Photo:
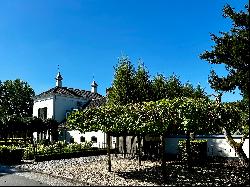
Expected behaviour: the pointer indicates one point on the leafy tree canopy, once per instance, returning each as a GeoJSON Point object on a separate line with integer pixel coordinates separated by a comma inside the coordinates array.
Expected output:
{"type": "Point", "coordinates": [16, 98]}
{"type": "Point", "coordinates": [133, 86]}
{"type": "Point", "coordinates": [231, 49]}
{"type": "Point", "coordinates": [122, 89]}
{"type": "Point", "coordinates": [201, 116]}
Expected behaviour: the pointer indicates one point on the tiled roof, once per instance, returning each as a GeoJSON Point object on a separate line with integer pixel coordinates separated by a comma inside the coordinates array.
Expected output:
{"type": "Point", "coordinates": [70, 92]}
{"type": "Point", "coordinates": [96, 103]}
{"type": "Point", "coordinates": [86, 94]}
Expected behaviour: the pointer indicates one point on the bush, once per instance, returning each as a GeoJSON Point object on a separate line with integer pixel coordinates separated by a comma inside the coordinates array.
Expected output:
{"type": "Point", "coordinates": [67, 155]}
{"type": "Point", "coordinates": [11, 154]}
{"type": "Point", "coordinates": [59, 147]}
{"type": "Point", "coordinates": [28, 152]}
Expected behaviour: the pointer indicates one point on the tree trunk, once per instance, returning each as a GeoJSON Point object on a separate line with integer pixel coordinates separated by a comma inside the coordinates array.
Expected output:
{"type": "Point", "coordinates": [117, 144]}
{"type": "Point", "coordinates": [37, 136]}
{"type": "Point", "coordinates": [237, 146]}
{"type": "Point", "coordinates": [188, 149]}
{"type": "Point", "coordinates": [139, 149]}
{"type": "Point", "coordinates": [163, 156]}
{"type": "Point", "coordinates": [108, 152]}
{"type": "Point", "coordinates": [124, 145]}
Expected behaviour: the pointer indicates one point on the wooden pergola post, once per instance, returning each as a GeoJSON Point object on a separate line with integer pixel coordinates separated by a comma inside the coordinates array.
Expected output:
{"type": "Point", "coordinates": [108, 152]}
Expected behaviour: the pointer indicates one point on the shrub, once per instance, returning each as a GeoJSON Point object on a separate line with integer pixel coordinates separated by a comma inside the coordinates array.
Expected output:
{"type": "Point", "coordinates": [11, 154]}
{"type": "Point", "coordinates": [28, 152]}
{"type": "Point", "coordinates": [59, 147]}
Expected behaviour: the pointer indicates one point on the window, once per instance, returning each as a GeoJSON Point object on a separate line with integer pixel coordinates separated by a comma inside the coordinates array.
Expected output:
{"type": "Point", "coordinates": [94, 139]}
{"type": "Point", "coordinates": [42, 113]}
{"type": "Point", "coordinates": [82, 139]}
{"type": "Point", "coordinates": [72, 140]}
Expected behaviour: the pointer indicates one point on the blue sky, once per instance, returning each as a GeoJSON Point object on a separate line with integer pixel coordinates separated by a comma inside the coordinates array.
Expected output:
{"type": "Point", "coordinates": [86, 37]}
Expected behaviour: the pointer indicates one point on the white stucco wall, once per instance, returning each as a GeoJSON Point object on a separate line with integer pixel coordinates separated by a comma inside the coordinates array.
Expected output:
{"type": "Point", "coordinates": [101, 138]}
{"type": "Point", "coordinates": [41, 103]}
{"type": "Point", "coordinates": [57, 105]}
{"type": "Point", "coordinates": [216, 145]}
{"type": "Point", "coordinates": [64, 103]}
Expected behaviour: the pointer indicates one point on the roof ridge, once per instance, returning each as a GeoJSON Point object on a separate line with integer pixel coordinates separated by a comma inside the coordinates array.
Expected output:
{"type": "Point", "coordinates": [71, 92]}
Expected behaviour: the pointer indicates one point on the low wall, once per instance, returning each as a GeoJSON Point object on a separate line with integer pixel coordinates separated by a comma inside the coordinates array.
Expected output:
{"type": "Point", "coordinates": [216, 146]}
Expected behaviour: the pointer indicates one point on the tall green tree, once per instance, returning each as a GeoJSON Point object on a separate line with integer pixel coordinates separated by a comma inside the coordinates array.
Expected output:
{"type": "Point", "coordinates": [231, 49]}
{"type": "Point", "coordinates": [171, 87]}
{"type": "Point", "coordinates": [143, 89]}
{"type": "Point", "coordinates": [199, 92]}
{"type": "Point", "coordinates": [122, 89]}
{"type": "Point", "coordinates": [16, 98]}
{"type": "Point", "coordinates": [159, 87]}
{"type": "Point", "coordinates": [174, 87]}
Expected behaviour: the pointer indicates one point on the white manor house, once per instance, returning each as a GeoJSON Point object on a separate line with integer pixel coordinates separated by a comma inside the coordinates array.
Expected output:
{"type": "Point", "coordinates": [57, 102]}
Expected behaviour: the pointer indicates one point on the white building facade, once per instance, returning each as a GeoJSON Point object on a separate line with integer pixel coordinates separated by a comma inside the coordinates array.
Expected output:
{"type": "Point", "coordinates": [58, 102]}
{"type": "Point", "coordinates": [217, 145]}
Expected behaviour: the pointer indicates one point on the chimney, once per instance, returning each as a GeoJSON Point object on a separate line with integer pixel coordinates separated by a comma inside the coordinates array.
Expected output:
{"type": "Point", "coordinates": [108, 90]}
{"type": "Point", "coordinates": [59, 80]}
{"type": "Point", "coordinates": [94, 87]}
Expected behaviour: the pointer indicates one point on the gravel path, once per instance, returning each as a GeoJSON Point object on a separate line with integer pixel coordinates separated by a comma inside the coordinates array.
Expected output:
{"type": "Point", "coordinates": [92, 171]}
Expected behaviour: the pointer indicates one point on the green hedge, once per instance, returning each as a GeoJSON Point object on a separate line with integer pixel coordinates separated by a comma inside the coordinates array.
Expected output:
{"type": "Point", "coordinates": [198, 148]}
{"type": "Point", "coordinates": [11, 155]}
{"type": "Point", "coordinates": [59, 147]}
{"type": "Point", "coordinates": [57, 156]}
{"type": "Point", "coordinates": [40, 152]}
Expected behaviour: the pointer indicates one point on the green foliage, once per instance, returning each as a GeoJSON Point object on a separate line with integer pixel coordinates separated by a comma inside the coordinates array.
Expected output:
{"type": "Point", "coordinates": [159, 87]}
{"type": "Point", "coordinates": [28, 152]}
{"type": "Point", "coordinates": [16, 125]}
{"type": "Point", "coordinates": [201, 116]}
{"type": "Point", "coordinates": [143, 88]}
{"type": "Point", "coordinates": [171, 87]}
{"type": "Point", "coordinates": [11, 154]}
{"type": "Point", "coordinates": [130, 86]}
{"type": "Point", "coordinates": [8, 147]}
{"type": "Point", "coordinates": [122, 90]}
{"type": "Point", "coordinates": [232, 50]}
{"type": "Point", "coordinates": [55, 148]}
{"type": "Point", "coordinates": [16, 98]}
{"type": "Point", "coordinates": [16, 104]}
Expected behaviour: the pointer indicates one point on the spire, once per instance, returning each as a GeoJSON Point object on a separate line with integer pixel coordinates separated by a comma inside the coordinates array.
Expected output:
{"type": "Point", "coordinates": [94, 86]}
{"type": "Point", "coordinates": [58, 78]}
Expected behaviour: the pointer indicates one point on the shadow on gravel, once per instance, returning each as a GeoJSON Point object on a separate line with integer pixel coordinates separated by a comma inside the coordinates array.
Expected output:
{"type": "Point", "coordinates": [227, 173]}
